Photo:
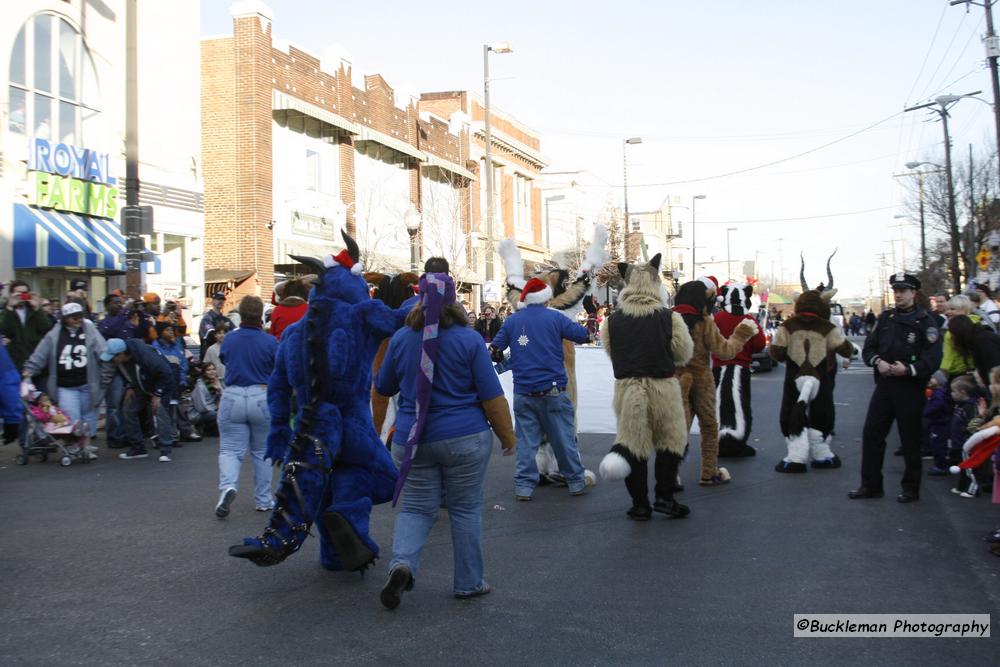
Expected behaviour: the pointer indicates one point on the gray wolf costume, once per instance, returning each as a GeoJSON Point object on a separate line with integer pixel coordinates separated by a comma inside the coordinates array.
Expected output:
{"type": "Point", "coordinates": [647, 342]}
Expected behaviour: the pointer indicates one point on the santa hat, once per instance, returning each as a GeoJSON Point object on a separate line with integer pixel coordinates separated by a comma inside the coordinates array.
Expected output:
{"type": "Point", "coordinates": [711, 286]}
{"type": "Point", "coordinates": [535, 291]}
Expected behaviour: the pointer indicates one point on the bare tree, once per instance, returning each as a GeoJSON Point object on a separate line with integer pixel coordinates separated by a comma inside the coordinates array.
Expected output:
{"type": "Point", "coordinates": [447, 231]}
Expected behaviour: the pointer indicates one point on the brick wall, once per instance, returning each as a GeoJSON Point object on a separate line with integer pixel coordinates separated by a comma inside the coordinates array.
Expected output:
{"type": "Point", "coordinates": [218, 119]}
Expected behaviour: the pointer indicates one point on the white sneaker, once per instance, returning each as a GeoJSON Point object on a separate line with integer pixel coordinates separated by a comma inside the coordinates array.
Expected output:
{"type": "Point", "coordinates": [164, 458]}
{"type": "Point", "coordinates": [225, 500]}
{"type": "Point", "coordinates": [91, 448]}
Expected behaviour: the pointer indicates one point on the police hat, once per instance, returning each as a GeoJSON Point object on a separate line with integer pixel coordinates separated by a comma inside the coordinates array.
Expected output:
{"type": "Point", "coordinates": [904, 281]}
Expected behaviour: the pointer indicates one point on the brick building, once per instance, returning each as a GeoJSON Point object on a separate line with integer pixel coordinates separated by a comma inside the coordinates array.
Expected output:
{"type": "Point", "coordinates": [296, 149]}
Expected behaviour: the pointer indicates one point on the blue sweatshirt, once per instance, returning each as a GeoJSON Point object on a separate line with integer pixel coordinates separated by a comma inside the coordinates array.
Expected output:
{"type": "Point", "coordinates": [248, 354]}
{"type": "Point", "coordinates": [117, 326]}
{"type": "Point", "coordinates": [175, 355]}
{"type": "Point", "coordinates": [535, 335]}
{"type": "Point", "coordinates": [463, 379]}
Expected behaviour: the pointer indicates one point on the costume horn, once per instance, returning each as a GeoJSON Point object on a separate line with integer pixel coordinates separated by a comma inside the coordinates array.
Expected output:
{"type": "Point", "coordinates": [802, 274]}
{"type": "Point", "coordinates": [315, 264]}
{"type": "Point", "coordinates": [829, 274]}
{"type": "Point", "coordinates": [352, 246]}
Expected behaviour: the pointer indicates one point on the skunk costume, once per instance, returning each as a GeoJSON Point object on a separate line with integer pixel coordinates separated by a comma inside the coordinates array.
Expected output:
{"type": "Point", "coordinates": [334, 465]}
{"type": "Point", "coordinates": [732, 376]}
{"type": "Point", "coordinates": [646, 342]}
{"type": "Point", "coordinates": [805, 342]}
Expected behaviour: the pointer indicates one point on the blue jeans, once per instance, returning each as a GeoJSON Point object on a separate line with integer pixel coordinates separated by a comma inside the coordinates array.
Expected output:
{"type": "Point", "coordinates": [115, 427]}
{"type": "Point", "coordinates": [75, 401]}
{"type": "Point", "coordinates": [459, 466]}
{"type": "Point", "coordinates": [244, 422]}
{"type": "Point", "coordinates": [552, 416]}
{"type": "Point", "coordinates": [132, 411]}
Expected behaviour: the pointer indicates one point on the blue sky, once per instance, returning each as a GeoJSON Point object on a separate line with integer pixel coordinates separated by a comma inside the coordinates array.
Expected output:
{"type": "Point", "coordinates": [712, 87]}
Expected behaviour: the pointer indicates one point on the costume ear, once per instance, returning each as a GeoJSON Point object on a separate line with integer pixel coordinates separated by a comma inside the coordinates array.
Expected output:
{"type": "Point", "coordinates": [827, 295]}
{"type": "Point", "coordinates": [724, 292]}
{"type": "Point", "coordinates": [622, 269]}
{"type": "Point", "coordinates": [655, 262]}
{"type": "Point", "coordinates": [748, 291]}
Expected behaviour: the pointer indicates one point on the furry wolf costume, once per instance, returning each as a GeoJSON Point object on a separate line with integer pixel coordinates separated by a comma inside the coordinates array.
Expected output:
{"type": "Point", "coordinates": [334, 465]}
{"type": "Point", "coordinates": [805, 342]}
{"type": "Point", "coordinates": [694, 302]}
{"type": "Point", "coordinates": [646, 342]}
{"type": "Point", "coordinates": [732, 376]}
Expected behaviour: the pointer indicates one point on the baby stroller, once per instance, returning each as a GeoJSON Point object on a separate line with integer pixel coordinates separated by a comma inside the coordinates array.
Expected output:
{"type": "Point", "coordinates": [66, 442]}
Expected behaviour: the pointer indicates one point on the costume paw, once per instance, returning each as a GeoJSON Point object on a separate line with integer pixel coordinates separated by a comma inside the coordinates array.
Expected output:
{"type": "Point", "coordinates": [353, 552]}
{"type": "Point", "coordinates": [827, 463]}
{"type": "Point", "coordinates": [788, 466]}
{"type": "Point", "coordinates": [257, 552]}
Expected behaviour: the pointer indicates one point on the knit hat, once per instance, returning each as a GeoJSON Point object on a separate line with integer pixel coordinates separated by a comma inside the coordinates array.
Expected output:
{"type": "Point", "coordinates": [535, 291]}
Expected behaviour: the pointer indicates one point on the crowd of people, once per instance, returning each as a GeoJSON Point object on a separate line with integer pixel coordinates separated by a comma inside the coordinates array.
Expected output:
{"type": "Point", "coordinates": [937, 364]}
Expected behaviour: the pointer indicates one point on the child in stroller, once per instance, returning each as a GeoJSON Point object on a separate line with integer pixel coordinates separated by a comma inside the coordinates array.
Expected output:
{"type": "Point", "coordinates": [50, 429]}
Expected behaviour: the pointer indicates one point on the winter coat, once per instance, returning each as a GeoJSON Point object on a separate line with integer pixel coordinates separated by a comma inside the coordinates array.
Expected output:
{"type": "Point", "coordinates": [204, 400]}
{"type": "Point", "coordinates": [963, 413]}
{"type": "Point", "coordinates": [10, 397]}
{"type": "Point", "coordinates": [938, 411]}
{"type": "Point", "coordinates": [46, 358]}
{"type": "Point", "coordinates": [492, 326]}
{"type": "Point", "coordinates": [23, 337]}
{"type": "Point", "coordinates": [175, 355]}
{"type": "Point", "coordinates": [985, 352]}
{"type": "Point", "coordinates": [147, 372]}
{"type": "Point", "coordinates": [288, 311]}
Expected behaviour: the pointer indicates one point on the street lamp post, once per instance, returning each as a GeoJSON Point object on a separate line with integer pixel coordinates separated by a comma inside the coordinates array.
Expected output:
{"type": "Point", "coordinates": [502, 47]}
{"type": "Point", "coordinates": [633, 140]}
{"type": "Point", "coordinates": [940, 106]}
{"type": "Point", "coordinates": [412, 221]}
{"type": "Point", "coordinates": [729, 269]}
{"type": "Point", "coordinates": [694, 200]}
{"type": "Point", "coordinates": [920, 188]}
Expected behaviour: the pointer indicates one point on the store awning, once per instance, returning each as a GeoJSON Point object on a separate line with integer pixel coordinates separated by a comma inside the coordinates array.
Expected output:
{"type": "Point", "coordinates": [45, 238]}
{"type": "Point", "coordinates": [448, 165]}
{"type": "Point", "coordinates": [368, 134]}
{"type": "Point", "coordinates": [282, 101]}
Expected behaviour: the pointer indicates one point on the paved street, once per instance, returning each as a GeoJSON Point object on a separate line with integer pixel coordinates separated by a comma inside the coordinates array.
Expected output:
{"type": "Point", "coordinates": [123, 563]}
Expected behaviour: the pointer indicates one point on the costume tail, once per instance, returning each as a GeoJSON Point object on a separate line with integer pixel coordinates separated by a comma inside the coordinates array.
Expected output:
{"type": "Point", "coordinates": [617, 464]}
{"type": "Point", "coordinates": [808, 387]}
{"type": "Point", "coordinates": [978, 448]}
{"type": "Point", "coordinates": [299, 501]}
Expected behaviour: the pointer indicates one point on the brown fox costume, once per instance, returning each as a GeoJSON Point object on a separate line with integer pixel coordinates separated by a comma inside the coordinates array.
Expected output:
{"type": "Point", "coordinates": [647, 342]}
{"type": "Point", "coordinates": [694, 303]}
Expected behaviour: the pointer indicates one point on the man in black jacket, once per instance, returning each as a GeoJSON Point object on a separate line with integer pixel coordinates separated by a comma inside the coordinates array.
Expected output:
{"type": "Point", "coordinates": [488, 324]}
{"type": "Point", "coordinates": [149, 380]}
{"type": "Point", "coordinates": [22, 323]}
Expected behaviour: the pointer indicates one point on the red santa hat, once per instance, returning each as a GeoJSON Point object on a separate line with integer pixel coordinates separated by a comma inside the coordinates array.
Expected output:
{"type": "Point", "coordinates": [711, 287]}
{"type": "Point", "coordinates": [535, 291]}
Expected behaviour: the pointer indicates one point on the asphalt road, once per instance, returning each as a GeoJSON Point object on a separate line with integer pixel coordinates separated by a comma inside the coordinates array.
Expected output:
{"type": "Point", "coordinates": [124, 563]}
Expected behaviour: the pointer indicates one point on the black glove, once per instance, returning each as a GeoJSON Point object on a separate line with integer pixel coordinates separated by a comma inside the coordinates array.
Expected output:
{"type": "Point", "coordinates": [10, 431]}
{"type": "Point", "coordinates": [496, 355]}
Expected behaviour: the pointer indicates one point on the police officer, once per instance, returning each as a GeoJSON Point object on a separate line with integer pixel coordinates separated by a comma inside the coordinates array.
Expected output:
{"type": "Point", "coordinates": [905, 349]}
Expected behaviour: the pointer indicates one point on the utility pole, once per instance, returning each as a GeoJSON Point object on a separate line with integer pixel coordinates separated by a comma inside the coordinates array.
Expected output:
{"type": "Point", "coordinates": [992, 44]}
{"type": "Point", "coordinates": [133, 242]}
{"type": "Point", "coordinates": [940, 107]}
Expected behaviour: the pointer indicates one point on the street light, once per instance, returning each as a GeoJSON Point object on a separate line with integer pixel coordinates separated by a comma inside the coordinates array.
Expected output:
{"type": "Point", "coordinates": [729, 269]}
{"type": "Point", "coordinates": [940, 107]}
{"type": "Point", "coordinates": [412, 221]}
{"type": "Point", "coordinates": [625, 144]}
{"type": "Point", "coordinates": [499, 47]}
{"type": "Point", "coordinates": [694, 270]}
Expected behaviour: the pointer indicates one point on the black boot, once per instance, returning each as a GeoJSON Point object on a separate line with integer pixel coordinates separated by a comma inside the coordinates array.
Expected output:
{"type": "Point", "coordinates": [665, 471]}
{"type": "Point", "coordinates": [638, 488]}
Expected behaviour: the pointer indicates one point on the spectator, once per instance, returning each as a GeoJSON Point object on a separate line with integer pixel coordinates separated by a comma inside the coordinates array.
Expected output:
{"type": "Point", "coordinates": [292, 303]}
{"type": "Point", "coordinates": [78, 293]}
{"type": "Point", "coordinates": [70, 353]}
{"type": "Point", "coordinates": [10, 398]}
{"type": "Point", "coordinates": [988, 308]}
{"type": "Point", "coordinates": [22, 324]}
{"type": "Point", "coordinates": [149, 382]}
{"type": "Point", "coordinates": [870, 320]}
{"type": "Point", "coordinates": [965, 395]}
{"type": "Point", "coordinates": [940, 304]}
{"type": "Point", "coordinates": [147, 311]}
{"type": "Point", "coordinates": [211, 321]}
{"type": "Point", "coordinates": [205, 400]}
{"type": "Point", "coordinates": [975, 341]}
{"type": "Point", "coordinates": [243, 418]}
{"type": "Point", "coordinates": [173, 315]}
{"type": "Point", "coordinates": [212, 353]}
{"type": "Point", "coordinates": [116, 324]}
{"type": "Point", "coordinates": [450, 411]}
{"type": "Point", "coordinates": [855, 325]}
{"type": "Point", "coordinates": [937, 422]}
{"type": "Point", "coordinates": [488, 324]}
{"type": "Point", "coordinates": [49, 309]}
{"type": "Point", "coordinates": [172, 349]}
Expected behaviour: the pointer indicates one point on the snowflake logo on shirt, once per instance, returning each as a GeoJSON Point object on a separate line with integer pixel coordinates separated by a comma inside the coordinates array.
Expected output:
{"type": "Point", "coordinates": [522, 340]}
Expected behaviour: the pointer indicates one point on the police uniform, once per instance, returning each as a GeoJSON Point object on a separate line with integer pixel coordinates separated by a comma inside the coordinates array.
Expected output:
{"type": "Point", "coordinates": [913, 338]}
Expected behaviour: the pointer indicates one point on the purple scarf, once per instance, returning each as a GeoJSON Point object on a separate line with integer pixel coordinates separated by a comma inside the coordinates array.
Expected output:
{"type": "Point", "coordinates": [436, 291]}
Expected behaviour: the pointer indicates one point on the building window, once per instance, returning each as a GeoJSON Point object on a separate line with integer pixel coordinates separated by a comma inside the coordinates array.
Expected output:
{"type": "Point", "coordinates": [53, 83]}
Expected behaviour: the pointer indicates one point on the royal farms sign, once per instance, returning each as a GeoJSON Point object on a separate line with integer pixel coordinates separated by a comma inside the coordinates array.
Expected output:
{"type": "Point", "coordinates": [69, 178]}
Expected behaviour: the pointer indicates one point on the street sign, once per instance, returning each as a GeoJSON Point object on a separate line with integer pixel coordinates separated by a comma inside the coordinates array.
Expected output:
{"type": "Point", "coordinates": [983, 258]}
{"type": "Point", "coordinates": [137, 220]}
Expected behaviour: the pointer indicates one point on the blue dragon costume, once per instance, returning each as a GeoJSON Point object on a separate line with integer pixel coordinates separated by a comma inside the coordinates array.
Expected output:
{"type": "Point", "coordinates": [334, 467]}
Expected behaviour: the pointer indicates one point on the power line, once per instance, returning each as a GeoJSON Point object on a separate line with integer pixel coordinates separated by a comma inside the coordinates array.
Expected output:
{"type": "Point", "coordinates": [766, 164]}
{"type": "Point", "coordinates": [797, 218]}
{"type": "Point", "coordinates": [930, 48]}
{"type": "Point", "coordinates": [947, 50]}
